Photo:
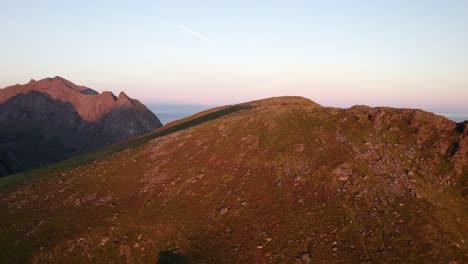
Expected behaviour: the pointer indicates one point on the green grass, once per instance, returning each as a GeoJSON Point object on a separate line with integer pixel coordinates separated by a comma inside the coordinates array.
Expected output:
{"type": "Point", "coordinates": [13, 180]}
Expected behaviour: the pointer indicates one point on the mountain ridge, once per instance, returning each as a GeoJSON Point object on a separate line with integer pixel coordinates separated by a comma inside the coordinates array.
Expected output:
{"type": "Point", "coordinates": [276, 181]}
{"type": "Point", "coordinates": [53, 119]}
{"type": "Point", "coordinates": [90, 104]}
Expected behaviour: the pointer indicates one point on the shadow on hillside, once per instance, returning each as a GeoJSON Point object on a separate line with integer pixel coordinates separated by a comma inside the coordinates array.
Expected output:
{"type": "Point", "coordinates": [171, 257]}
{"type": "Point", "coordinates": [132, 143]}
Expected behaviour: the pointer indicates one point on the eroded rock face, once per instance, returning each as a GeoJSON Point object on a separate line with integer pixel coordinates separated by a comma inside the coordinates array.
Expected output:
{"type": "Point", "coordinates": [53, 119]}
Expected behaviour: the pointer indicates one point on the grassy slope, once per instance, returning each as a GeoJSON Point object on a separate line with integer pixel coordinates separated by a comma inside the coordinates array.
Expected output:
{"type": "Point", "coordinates": [256, 186]}
{"type": "Point", "coordinates": [103, 152]}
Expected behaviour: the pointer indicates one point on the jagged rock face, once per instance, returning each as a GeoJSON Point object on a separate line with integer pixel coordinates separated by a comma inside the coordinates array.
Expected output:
{"type": "Point", "coordinates": [283, 180]}
{"type": "Point", "coordinates": [53, 119]}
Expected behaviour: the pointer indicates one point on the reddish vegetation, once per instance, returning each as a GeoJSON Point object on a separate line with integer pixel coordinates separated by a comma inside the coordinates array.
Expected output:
{"type": "Point", "coordinates": [284, 181]}
{"type": "Point", "coordinates": [89, 104]}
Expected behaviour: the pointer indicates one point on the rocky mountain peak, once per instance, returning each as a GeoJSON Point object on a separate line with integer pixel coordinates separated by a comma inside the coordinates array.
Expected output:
{"type": "Point", "coordinates": [52, 119]}
{"type": "Point", "coordinates": [89, 104]}
{"type": "Point", "coordinates": [123, 99]}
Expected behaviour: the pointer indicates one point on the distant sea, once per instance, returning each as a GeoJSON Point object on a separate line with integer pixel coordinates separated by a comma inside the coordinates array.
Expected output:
{"type": "Point", "coordinates": [457, 117]}
{"type": "Point", "coordinates": [170, 112]}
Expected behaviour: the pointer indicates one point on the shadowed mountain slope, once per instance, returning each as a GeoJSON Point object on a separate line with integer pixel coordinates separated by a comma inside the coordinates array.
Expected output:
{"type": "Point", "coordinates": [53, 119]}
{"type": "Point", "coordinates": [281, 180]}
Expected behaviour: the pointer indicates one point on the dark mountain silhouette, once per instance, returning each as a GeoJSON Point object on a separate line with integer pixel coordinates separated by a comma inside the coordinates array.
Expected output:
{"type": "Point", "coordinates": [53, 119]}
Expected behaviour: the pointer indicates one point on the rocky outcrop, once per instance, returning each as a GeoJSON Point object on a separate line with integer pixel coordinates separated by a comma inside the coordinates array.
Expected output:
{"type": "Point", "coordinates": [53, 119]}
{"type": "Point", "coordinates": [459, 152]}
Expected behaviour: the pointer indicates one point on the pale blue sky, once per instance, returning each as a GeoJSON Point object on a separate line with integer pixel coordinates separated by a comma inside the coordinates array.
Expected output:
{"type": "Point", "coordinates": [397, 53]}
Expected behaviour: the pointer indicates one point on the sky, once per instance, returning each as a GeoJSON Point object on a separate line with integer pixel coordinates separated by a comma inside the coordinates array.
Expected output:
{"type": "Point", "coordinates": [337, 53]}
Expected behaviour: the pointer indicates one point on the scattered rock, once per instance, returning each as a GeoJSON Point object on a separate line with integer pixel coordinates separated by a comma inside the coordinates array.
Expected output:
{"type": "Point", "coordinates": [305, 257]}
{"type": "Point", "coordinates": [224, 210]}
{"type": "Point", "coordinates": [335, 246]}
{"type": "Point", "coordinates": [299, 148]}
{"type": "Point", "coordinates": [343, 172]}
{"type": "Point", "coordinates": [104, 240]}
